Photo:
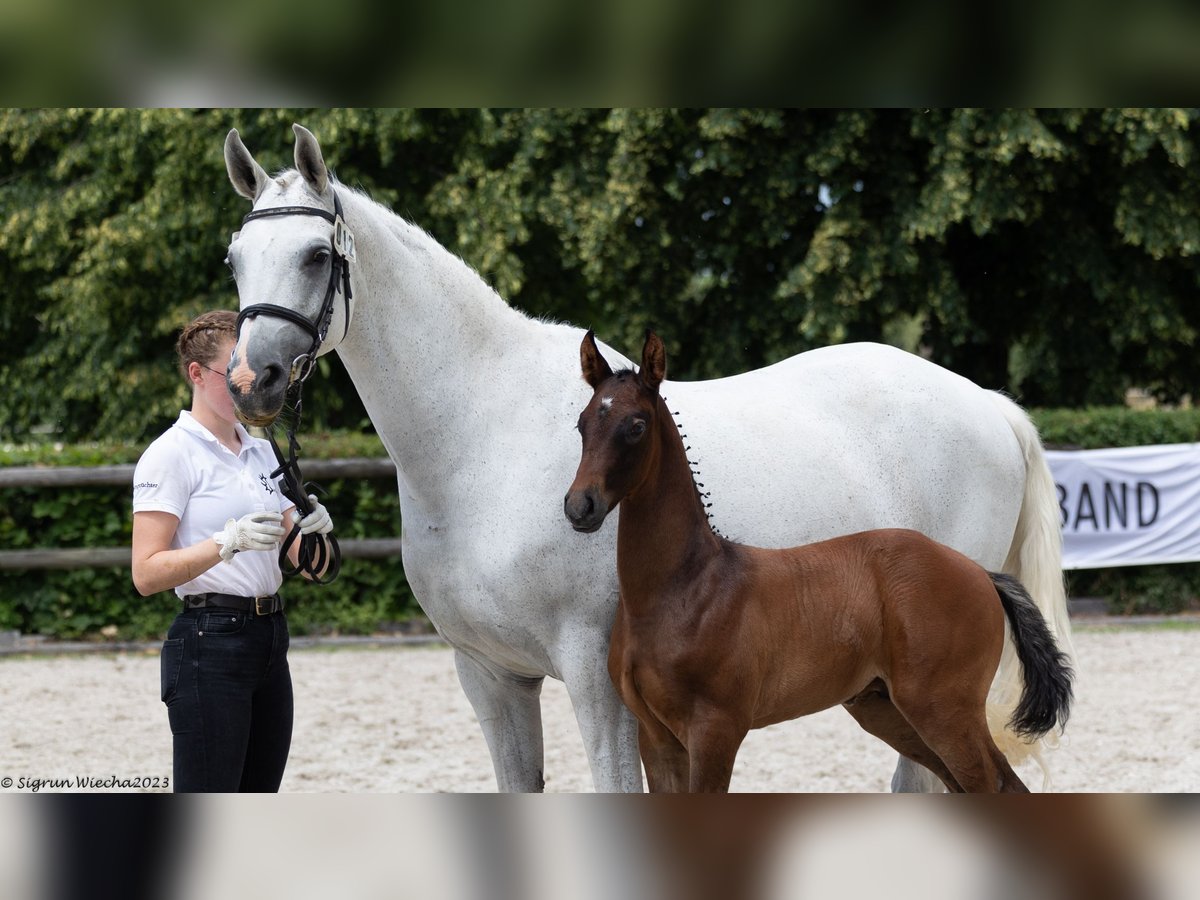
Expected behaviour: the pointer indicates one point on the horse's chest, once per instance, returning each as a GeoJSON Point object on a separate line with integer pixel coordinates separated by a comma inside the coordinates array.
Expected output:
{"type": "Point", "coordinates": [506, 590]}
{"type": "Point", "coordinates": [658, 661]}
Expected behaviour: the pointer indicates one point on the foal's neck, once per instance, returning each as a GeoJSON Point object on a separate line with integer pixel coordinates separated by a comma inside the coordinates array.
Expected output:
{"type": "Point", "coordinates": [663, 532]}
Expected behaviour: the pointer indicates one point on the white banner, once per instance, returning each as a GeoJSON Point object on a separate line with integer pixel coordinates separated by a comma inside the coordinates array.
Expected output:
{"type": "Point", "coordinates": [1128, 506]}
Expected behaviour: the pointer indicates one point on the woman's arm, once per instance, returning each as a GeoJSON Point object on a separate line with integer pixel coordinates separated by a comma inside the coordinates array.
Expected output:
{"type": "Point", "coordinates": [156, 567]}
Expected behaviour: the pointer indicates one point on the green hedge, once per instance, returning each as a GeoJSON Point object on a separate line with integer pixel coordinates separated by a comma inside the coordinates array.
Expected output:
{"type": "Point", "coordinates": [369, 595]}
{"type": "Point", "coordinates": [1098, 427]}
{"type": "Point", "coordinates": [373, 594]}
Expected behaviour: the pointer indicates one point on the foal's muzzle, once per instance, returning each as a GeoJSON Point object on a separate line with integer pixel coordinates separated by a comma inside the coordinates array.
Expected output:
{"type": "Point", "coordinates": [585, 509]}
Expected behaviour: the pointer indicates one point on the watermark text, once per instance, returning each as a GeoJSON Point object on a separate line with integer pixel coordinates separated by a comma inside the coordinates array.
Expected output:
{"type": "Point", "coordinates": [34, 784]}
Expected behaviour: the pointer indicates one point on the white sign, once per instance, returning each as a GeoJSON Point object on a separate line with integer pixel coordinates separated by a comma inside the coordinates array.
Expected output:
{"type": "Point", "coordinates": [1128, 506]}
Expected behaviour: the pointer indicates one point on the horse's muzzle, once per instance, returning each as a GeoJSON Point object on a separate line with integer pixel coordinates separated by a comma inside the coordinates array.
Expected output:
{"type": "Point", "coordinates": [585, 510]}
{"type": "Point", "coordinates": [254, 420]}
{"type": "Point", "coordinates": [257, 395]}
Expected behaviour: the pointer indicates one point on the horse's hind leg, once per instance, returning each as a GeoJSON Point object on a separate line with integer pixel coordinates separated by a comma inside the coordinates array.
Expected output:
{"type": "Point", "coordinates": [914, 778]}
{"type": "Point", "coordinates": [509, 710]}
{"type": "Point", "coordinates": [956, 730]}
{"type": "Point", "coordinates": [877, 715]}
{"type": "Point", "coordinates": [976, 761]}
{"type": "Point", "coordinates": [978, 764]}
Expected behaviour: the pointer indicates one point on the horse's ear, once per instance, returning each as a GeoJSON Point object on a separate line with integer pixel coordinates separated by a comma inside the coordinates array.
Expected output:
{"type": "Point", "coordinates": [309, 161]}
{"type": "Point", "coordinates": [248, 177]}
{"type": "Point", "coordinates": [654, 362]}
{"type": "Point", "coordinates": [595, 367]}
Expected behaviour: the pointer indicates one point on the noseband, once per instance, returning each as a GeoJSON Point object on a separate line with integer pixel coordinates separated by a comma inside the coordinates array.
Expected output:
{"type": "Point", "coordinates": [339, 277]}
{"type": "Point", "coordinates": [317, 552]}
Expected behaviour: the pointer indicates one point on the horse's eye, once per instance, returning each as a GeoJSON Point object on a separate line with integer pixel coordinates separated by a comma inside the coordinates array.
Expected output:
{"type": "Point", "coordinates": [636, 429]}
{"type": "Point", "coordinates": [319, 257]}
{"type": "Point", "coordinates": [232, 270]}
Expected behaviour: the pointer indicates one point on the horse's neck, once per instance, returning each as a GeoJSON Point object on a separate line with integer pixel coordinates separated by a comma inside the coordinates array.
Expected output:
{"type": "Point", "coordinates": [663, 533]}
{"type": "Point", "coordinates": [431, 347]}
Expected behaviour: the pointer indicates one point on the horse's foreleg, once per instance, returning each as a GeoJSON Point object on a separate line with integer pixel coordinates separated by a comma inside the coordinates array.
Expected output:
{"type": "Point", "coordinates": [510, 713]}
{"type": "Point", "coordinates": [665, 759]}
{"type": "Point", "coordinates": [713, 739]}
{"type": "Point", "coordinates": [608, 729]}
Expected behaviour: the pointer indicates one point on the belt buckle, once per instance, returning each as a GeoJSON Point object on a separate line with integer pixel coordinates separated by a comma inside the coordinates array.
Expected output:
{"type": "Point", "coordinates": [258, 610]}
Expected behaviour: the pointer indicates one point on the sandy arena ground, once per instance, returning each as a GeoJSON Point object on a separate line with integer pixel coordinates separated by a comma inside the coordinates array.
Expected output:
{"type": "Point", "coordinates": [393, 718]}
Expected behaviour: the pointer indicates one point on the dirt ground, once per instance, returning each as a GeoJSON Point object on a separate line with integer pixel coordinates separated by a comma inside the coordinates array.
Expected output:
{"type": "Point", "coordinates": [393, 718]}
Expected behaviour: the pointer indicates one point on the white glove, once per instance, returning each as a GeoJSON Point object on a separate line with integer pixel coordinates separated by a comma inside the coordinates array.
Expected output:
{"type": "Point", "coordinates": [317, 521]}
{"type": "Point", "coordinates": [253, 531]}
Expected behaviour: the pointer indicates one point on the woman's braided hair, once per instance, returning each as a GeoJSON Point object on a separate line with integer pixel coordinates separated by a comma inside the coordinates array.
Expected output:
{"type": "Point", "coordinates": [201, 339]}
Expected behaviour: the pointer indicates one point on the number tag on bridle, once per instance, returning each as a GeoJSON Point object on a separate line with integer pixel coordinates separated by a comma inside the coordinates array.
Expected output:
{"type": "Point", "coordinates": [343, 239]}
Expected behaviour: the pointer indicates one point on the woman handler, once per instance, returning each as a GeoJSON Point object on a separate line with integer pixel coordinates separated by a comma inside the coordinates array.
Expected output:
{"type": "Point", "coordinates": [208, 519]}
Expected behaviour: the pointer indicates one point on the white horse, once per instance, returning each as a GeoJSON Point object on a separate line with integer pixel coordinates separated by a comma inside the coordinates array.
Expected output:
{"type": "Point", "coordinates": [476, 404]}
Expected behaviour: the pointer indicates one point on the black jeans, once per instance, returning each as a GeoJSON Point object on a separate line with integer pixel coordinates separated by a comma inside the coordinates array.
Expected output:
{"type": "Point", "coordinates": [228, 690]}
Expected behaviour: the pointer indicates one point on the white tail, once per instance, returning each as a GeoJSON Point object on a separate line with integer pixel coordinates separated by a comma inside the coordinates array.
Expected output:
{"type": "Point", "coordinates": [1034, 559]}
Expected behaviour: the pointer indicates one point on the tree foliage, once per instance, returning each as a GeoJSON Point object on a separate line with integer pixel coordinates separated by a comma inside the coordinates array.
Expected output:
{"type": "Point", "coordinates": [1048, 252]}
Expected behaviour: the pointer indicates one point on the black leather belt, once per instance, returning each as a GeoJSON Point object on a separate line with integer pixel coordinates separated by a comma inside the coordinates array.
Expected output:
{"type": "Point", "coordinates": [257, 606]}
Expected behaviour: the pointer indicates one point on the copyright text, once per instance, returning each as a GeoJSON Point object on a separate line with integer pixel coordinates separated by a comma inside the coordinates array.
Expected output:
{"type": "Point", "coordinates": [86, 783]}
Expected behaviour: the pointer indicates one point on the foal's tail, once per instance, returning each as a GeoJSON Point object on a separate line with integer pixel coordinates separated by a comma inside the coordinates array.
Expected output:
{"type": "Point", "coordinates": [1046, 696]}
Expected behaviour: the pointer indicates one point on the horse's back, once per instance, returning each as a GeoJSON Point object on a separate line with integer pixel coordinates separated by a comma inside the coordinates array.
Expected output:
{"type": "Point", "coordinates": [904, 559]}
{"type": "Point", "coordinates": [851, 438]}
{"type": "Point", "coordinates": [874, 591]}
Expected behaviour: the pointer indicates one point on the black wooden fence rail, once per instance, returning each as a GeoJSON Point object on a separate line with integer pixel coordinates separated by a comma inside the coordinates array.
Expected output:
{"type": "Point", "coordinates": [122, 475]}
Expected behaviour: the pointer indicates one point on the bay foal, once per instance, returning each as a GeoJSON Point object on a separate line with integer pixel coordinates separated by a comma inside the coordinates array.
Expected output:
{"type": "Point", "coordinates": [713, 638]}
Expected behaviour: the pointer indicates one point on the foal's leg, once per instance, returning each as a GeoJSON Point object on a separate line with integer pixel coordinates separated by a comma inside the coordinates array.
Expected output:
{"type": "Point", "coordinates": [713, 739]}
{"type": "Point", "coordinates": [509, 710]}
{"type": "Point", "coordinates": [877, 715]}
{"type": "Point", "coordinates": [955, 728]}
{"type": "Point", "coordinates": [976, 761]}
{"type": "Point", "coordinates": [978, 764]}
{"type": "Point", "coordinates": [666, 760]}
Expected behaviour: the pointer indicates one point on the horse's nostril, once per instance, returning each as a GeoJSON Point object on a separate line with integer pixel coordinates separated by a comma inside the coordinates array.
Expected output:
{"type": "Point", "coordinates": [578, 506]}
{"type": "Point", "coordinates": [270, 375]}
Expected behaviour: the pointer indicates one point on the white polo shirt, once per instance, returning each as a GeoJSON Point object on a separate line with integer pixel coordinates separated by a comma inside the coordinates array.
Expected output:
{"type": "Point", "coordinates": [188, 473]}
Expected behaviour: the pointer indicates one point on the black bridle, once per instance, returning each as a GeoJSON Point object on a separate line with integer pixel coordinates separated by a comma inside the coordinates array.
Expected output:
{"type": "Point", "coordinates": [339, 271]}
{"type": "Point", "coordinates": [315, 549]}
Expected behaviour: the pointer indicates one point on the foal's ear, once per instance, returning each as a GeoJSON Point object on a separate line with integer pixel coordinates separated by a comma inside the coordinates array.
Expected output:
{"type": "Point", "coordinates": [595, 367]}
{"type": "Point", "coordinates": [247, 175]}
{"type": "Point", "coordinates": [654, 362]}
{"type": "Point", "coordinates": [309, 161]}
